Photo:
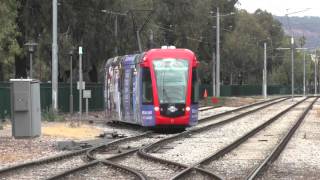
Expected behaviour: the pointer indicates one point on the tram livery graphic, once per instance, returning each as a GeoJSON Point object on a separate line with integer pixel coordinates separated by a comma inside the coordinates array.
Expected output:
{"type": "Point", "coordinates": [155, 88]}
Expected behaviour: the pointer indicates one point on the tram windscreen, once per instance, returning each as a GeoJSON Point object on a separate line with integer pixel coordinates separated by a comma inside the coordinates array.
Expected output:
{"type": "Point", "coordinates": [172, 79]}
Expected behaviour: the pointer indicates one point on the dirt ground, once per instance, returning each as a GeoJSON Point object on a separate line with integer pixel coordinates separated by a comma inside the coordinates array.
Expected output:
{"type": "Point", "coordinates": [18, 150]}
{"type": "Point", "coordinates": [231, 101]}
{"type": "Point", "coordinates": [240, 101]}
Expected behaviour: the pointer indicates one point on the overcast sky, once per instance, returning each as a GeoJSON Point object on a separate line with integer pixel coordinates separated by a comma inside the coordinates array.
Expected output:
{"type": "Point", "coordinates": [279, 7]}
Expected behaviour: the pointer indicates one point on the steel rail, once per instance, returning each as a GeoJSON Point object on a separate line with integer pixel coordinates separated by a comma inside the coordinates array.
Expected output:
{"type": "Point", "coordinates": [143, 152]}
{"type": "Point", "coordinates": [42, 161]}
{"type": "Point", "coordinates": [281, 146]}
{"type": "Point", "coordinates": [90, 152]}
{"type": "Point", "coordinates": [205, 108]}
{"type": "Point", "coordinates": [91, 156]}
{"type": "Point", "coordinates": [91, 149]}
{"type": "Point", "coordinates": [63, 156]}
{"type": "Point", "coordinates": [239, 109]}
{"type": "Point", "coordinates": [168, 162]}
{"type": "Point", "coordinates": [84, 166]}
{"type": "Point", "coordinates": [128, 170]}
{"type": "Point", "coordinates": [235, 144]}
{"type": "Point", "coordinates": [110, 159]}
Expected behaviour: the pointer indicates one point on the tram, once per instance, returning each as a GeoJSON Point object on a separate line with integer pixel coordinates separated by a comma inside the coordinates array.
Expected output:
{"type": "Point", "coordinates": [153, 89]}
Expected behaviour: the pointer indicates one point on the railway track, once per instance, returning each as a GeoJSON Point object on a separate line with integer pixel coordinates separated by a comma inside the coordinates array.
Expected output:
{"type": "Point", "coordinates": [281, 145]}
{"type": "Point", "coordinates": [100, 169]}
{"type": "Point", "coordinates": [190, 137]}
{"type": "Point", "coordinates": [46, 167]}
{"type": "Point", "coordinates": [151, 152]}
{"type": "Point", "coordinates": [155, 171]}
{"type": "Point", "coordinates": [204, 119]}
{"type": "Point", "coordinates": [300, 159]}
{"type": "Point", "coordinates": [111, 152]}
{"type": "Point", "coordinates": [42, 168]}
{"type": "Point", "coordinates": [241, 169]}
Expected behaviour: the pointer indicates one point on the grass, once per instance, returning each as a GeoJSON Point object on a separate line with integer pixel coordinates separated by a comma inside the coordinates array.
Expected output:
{"type": "Point", "coordinates": [50, 116]}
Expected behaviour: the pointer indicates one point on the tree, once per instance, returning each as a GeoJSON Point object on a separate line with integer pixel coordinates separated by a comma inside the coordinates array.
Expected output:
{"type": "Point", "coordinates": [242, 52]}
{"type": "Point", "coordinates": [9, 47]}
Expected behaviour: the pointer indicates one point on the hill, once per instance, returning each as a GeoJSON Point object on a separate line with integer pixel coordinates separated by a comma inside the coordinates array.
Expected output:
{"type": "Point", "coordinates": [307, 26]}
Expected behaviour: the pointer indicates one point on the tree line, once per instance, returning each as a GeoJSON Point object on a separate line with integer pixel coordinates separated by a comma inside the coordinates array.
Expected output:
{"type": "Point", "coordinates": [107, 28]}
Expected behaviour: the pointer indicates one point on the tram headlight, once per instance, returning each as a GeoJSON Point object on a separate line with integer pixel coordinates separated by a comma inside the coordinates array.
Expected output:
{"type": "Point", "coordinates": [187, 108]}
{"type": "Point", "coordinates": [156, 108]}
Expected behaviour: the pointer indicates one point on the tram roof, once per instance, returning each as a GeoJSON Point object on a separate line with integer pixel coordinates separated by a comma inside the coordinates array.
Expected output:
{"type": "Point", "coordinates": [157, 54]}
{"type": "Point", "coordinates": [170, 53]}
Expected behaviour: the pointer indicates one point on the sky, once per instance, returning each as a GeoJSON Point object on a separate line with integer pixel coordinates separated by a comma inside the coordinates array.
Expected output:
{"type": "Point", "coordinates": [282, 7]}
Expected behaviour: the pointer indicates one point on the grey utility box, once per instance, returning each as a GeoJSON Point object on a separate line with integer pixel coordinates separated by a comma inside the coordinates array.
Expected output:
{"type": "Point", "coordinates": [26, 109]}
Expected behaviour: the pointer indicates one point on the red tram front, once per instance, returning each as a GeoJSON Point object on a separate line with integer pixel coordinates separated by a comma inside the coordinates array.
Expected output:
{"type": "Point", "coordinates": [155, 88]}
{"type": "Point", "coordinates": [174, 86]}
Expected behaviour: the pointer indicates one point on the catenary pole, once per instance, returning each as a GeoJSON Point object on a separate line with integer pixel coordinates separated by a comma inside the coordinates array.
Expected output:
{"type": "Point", "coordinates": [80, 83]}
{"type": "Point", "coordinates": [31, 69]}
{"type": "Point", "coordinates": [55, 55]}
{"type": "Point", "coordinates": [116, 34]}
{"type": "Point", "coordinates": [218, 55]}
{"type": "Point", "coordinates": [71, 88]}
{"type": "Point", "coordinates": [139, 41]}
{"type": "Point", "coordinates": [292, 68]}
{"type": "Point", "coordinates": [304, 73]}
{"type": "Point", "coordinates": [315, 74]}
{"type": "Point", "coordinates": [264, 87]}
{"type": "Point", "coordinates": [213, 75]}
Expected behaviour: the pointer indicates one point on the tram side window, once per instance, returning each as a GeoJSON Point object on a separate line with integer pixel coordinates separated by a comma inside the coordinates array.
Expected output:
{"type": "Point", "coordinates": [195, 87]}
{"type": "Point", "coordinates": [147, 95]}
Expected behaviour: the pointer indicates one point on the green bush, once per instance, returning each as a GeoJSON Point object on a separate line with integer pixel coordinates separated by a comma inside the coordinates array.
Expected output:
{"type": "Point", "coordinates": [50, 116]}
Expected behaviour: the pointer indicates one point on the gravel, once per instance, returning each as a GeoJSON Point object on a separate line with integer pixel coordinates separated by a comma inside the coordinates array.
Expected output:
{"type": "Point", "coordinates": [128, 145]}
{"type": "Point", "coordinates": [301, 157]}
{"type": "Point", "coordinates": [211, 112]}
{"type": "Point", "coordinates": [200, 145]}
{"type": "Point", "coordinates": [241, 161]}
{"type": "Point", "coordinates": [14, 151]}
{"type": "Point", "coordinates": [45, 170]}
{"type": "Point", "coordinates": [229, 115]}
{"type": "Point", "coordinates": [151, 169]}
{"type": "Point", "coordinates": [100, 171]}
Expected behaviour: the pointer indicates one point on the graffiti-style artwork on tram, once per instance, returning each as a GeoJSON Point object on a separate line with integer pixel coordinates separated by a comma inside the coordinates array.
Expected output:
{"type": "Point", "coordinates": [155, 88]}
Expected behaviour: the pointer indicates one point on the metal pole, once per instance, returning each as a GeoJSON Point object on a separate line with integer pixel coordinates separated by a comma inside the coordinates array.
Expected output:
{"type": "Point", "coordinates": [304, 73]}
{"type": "Point", "coordinates": [31, 70]}
{"type": "Point", "coordinates": [116, 34]}
{"type": "Point", "coordinates": [315, 75]}
{"type": "Point", "coordinates": [54, 55]}
{"type": "Point", "coordinates": [139, 41]}
{"type": "Point", "coordinates": [292, 68]}
{"type": "Point", "coordinates": [87, 107]}
{"type": "Point", "coordinates": [71, 88]}
{"type": "Point", "coordinates": [80, 83]}
{"type": "Point", "coordinates": [218, 55]}
{"type": "Point", "coordinates": [213, 75]}
{"type": "Point", "coordinates": [264, 86]}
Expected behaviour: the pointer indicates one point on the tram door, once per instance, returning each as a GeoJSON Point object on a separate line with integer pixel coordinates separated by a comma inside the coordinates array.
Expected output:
{"type": "Point", "coordinates": [128, 89]}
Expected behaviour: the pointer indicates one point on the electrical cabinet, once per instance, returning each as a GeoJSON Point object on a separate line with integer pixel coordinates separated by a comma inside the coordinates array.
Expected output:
{"type": "Point", "coordinates": [26, 109]}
